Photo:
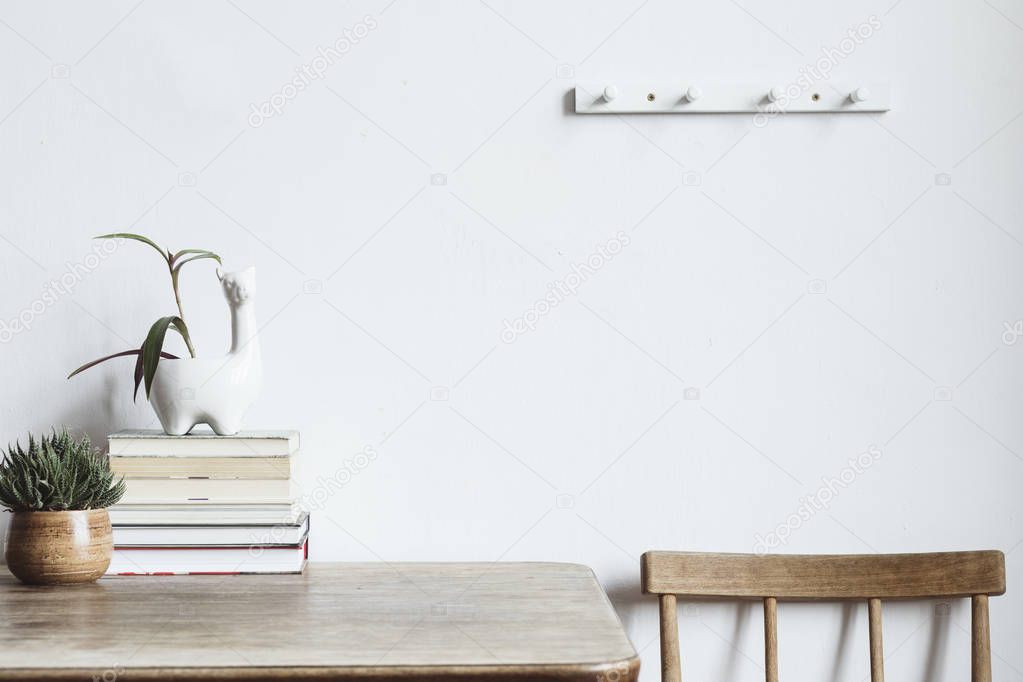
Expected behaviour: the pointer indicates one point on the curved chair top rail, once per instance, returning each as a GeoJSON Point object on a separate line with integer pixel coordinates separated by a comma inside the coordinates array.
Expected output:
{"type": "Point", "coordinates": [824, 577]}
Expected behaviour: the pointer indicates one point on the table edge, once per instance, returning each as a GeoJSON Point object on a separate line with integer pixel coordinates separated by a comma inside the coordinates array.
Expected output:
{"type": "Point", "coordinates": [623, 670]}
{"type": "Point", "coordinates": [616, 670]}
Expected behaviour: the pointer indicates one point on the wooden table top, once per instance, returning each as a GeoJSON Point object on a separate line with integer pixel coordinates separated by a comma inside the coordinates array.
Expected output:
{"type": "Point", "coordinates": [470, 621]}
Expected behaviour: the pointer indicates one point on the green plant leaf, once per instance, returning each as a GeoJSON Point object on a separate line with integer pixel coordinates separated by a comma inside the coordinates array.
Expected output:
{"type": "Point", "coordinates": [152, 347]}
{"type": "Point", "coordinates": [202, 254]}
{"type": "Point", "coordinates": [138, 370]}
{"type": "Point", "coordinates": [122, 354]}
{"type": "Point", "coordinates": [185, 252]}
{"type": "Point", "coordinates": [138, 376]}
{"type": "Point", "coordinates": [103, 359]}
{"type": "Point", "coordinates": [138, 238]}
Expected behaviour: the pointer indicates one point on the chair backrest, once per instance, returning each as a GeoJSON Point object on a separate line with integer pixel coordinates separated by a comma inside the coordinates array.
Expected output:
{"type": "Point", "coordinates": [822, 577]}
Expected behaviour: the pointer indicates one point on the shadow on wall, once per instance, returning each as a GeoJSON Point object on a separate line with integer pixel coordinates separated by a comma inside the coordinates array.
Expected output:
{"type": "Point", "coordinates": [568, 102]}
{"type": "Point", "coordinates": [634, 608]}
{"type": "Point", "coordinates": [94, 410]}
{"type": "Point", "coordinates": [637, 610]}
{"type": "Point", "coordinates": [629, 601]}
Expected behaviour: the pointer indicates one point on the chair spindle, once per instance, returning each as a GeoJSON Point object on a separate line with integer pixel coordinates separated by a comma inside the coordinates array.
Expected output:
{"type": "Point", "coordinates": [671, 665]}
{"type": "Point", "coordinates": [981, 655]}
{"type": "Point", "coordinates": [771, 638]}
{"type": "Point", "coordinates": [876, 641]}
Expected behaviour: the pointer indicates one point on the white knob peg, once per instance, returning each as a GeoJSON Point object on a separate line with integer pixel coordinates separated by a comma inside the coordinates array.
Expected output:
{"type": "Point", "coordinates": [775, 94]}
{"type": "Point", "coordinates": [610, 93]}
{"type": "Point", "coordinates": [693, 93]}
{"type": "Point", "coordinates": [860, 95]}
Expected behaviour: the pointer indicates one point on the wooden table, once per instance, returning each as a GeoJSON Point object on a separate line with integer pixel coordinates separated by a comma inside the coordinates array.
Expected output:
{"type": "Point", "coordinates": [426, 622]}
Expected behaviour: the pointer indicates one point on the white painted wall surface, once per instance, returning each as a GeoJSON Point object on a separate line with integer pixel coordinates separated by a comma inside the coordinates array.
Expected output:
{"type": "Point", "coordinates": [791, 295]}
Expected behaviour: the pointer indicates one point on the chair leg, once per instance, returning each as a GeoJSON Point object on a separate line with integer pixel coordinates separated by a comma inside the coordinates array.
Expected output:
{"type": "Point", "coordinates": [771, 638]}
{"type": "Point", "coordinates": [981, 654]}
{"type": "Point", "coordinates": [876, 641]}
{"type": "Point", "coordinates": [671, 665]}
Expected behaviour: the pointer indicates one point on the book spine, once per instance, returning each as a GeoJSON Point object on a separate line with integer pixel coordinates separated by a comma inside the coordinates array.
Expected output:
{"type": "Point", "coordinates": [216, 468]}
{"type": "Point", "coordinates": [211, 491]}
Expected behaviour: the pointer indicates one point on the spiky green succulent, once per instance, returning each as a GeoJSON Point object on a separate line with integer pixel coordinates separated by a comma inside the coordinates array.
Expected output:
{"type": "Point", "coordinates": [57, 473]}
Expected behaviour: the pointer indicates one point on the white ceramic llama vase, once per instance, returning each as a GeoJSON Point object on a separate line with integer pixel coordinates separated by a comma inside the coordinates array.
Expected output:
{"type": "Point", "coordinates": [216, 390]}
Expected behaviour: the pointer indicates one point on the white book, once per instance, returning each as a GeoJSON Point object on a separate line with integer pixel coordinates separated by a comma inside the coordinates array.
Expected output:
{"type": "Point", "coordinates": [261, 535]}
{"type": "Point", "coordinates": [200, 514]}
{"type": "Point", "coordinates": [201, 443]}
{"type": "Point", "coordinates": [206, 490]}
{"type": "Point", "coordinates": [207, 560]}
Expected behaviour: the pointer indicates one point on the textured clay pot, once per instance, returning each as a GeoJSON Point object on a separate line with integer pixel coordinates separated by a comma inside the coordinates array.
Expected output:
{"type": "Point", "coordinates": [59, 547]}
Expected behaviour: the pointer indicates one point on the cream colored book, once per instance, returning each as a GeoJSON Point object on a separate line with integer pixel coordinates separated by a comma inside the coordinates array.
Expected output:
{"type": "Point", "coordinates": [154, 443]}
{"type": "Point", "coordinates": [206, 490]}
{"type": "Point", "coordinates": [222, 468]}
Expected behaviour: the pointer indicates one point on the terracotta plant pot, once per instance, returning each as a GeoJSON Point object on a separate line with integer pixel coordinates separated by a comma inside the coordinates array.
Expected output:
{"type": "Point", "coordinates": [59, 547]}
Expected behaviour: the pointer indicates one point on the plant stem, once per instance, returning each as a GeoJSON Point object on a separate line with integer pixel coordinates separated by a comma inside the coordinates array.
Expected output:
{"type": "Point", "coordinates": [181, 312]}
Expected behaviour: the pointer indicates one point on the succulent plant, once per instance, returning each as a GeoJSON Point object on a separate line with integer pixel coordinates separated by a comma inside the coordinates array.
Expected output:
{"type": "Point", "coordinates": [57, 473]}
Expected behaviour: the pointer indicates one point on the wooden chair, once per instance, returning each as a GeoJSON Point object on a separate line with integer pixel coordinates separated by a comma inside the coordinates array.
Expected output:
{"type": "Point", "coordinates": [870, 577]}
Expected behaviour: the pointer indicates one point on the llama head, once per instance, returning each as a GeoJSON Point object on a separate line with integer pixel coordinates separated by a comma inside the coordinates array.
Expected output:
{"type": "Point", "coordinates": [239, 287]}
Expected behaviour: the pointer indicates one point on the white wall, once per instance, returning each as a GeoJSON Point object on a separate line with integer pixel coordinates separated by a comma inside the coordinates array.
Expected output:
{"type": "Point", "coordinates": [811, 282]}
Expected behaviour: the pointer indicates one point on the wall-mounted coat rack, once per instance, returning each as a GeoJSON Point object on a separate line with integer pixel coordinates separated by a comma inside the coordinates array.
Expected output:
{"type": "Point", "coordinates": [716, 98]}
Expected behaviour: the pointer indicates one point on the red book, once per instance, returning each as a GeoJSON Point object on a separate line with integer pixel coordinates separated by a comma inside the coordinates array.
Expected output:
{"type": "Point", "coordinates": [210, 560]}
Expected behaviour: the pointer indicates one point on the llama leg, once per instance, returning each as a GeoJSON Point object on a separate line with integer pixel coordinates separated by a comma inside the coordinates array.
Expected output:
{"type": "Point", "coordinates": [224, 425]}
{"type": "Point", "coordinates": [178, 425]}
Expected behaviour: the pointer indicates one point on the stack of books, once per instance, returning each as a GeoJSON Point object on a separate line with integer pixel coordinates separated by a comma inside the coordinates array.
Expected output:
{"type": "Point", "coordinates": [202, 504]}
